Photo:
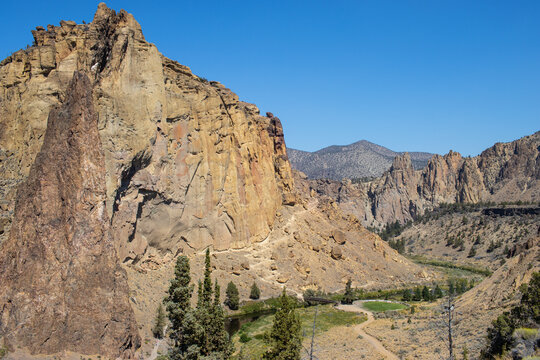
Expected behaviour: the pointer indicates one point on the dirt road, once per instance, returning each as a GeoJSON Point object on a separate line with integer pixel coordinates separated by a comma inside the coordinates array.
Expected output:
{"type": "Point", "coordinates": [379, 347]}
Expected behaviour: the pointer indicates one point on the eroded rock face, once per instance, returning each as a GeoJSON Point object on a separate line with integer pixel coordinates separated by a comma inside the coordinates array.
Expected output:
{"type": "Point", "coordinates": [188, 165]}
{"type": "Point", "coordinates": [504, 172]}
{"type": "Point", "coordinates": [61, 286]}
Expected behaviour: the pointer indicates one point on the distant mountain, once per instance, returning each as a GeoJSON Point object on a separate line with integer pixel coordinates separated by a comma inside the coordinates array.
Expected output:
{"type": "Point", "coordinates": [358, 160]}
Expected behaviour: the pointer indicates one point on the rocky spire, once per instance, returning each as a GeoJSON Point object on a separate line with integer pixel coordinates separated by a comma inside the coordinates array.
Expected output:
{"type": "Point", "coordinates": [61, 286]}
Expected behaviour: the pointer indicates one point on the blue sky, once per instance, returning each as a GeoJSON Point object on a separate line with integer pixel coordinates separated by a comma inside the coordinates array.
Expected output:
{"type": "Point", "coordinates": [409, 75]}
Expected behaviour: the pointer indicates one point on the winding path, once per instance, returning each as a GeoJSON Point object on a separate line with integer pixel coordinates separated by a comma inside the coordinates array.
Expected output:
{"type": "Point", "coordinates": [357, 308]}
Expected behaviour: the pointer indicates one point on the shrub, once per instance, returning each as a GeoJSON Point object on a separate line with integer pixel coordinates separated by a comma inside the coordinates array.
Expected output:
{"type": "Point", "coordinates": [244, 338]}
{"type": "Point", "coordinates": [255, 292]}
{"type": "Point", "coordinates": [526, 333]}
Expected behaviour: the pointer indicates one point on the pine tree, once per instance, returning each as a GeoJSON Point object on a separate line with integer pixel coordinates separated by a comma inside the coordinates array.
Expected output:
{"type": "Point", "coordinates": [348, 297]}
{"type": "Point", "coordinates": [200, 331]}
{"type": "Point", "coordinates": [451, 287]}
{"type": "Point", "coordinates": [406, 295]}
{"type": "Point", "coordinates": [159, 325]}
{"type": "Point", "coordinates": [426, 295]}
{"type": "Point", "coordinates": [437, 293]}
{"type": "Point", "coordinates": [417, 294]}
{"type": "Point", "coordinates": [178, 300]}
{"type": "Point", "coordinates": [218, 338]}
{"type": "Point", "coordinates": [255, 292]}
{"type": "Point", "coordinates": [215, 341]}
{"type": "Point", "coordinates": [206, 295]}
{"type": "Point", "coordinates": [284, 339]}
{"type": "Point", "coordinates": [233, 299]}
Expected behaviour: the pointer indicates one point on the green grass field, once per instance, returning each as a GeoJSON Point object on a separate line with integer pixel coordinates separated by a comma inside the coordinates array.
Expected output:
{"type": "Point", "coordinates": [327, 317]}
{"type": "Point", "coordinates": [380, 306]}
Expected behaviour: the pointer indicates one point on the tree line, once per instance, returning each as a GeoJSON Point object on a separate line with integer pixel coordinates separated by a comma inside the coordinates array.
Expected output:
{"type": "Point", "coordinates": [198, 333]}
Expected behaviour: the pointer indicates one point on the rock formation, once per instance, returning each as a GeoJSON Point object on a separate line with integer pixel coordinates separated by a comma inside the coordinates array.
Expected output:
{"type": "Point", "coordinates": [187, 163]}
{"type": "Point", "coordinates": [504, 172]}
{"type": "Point", "coordinates": [61, 286]}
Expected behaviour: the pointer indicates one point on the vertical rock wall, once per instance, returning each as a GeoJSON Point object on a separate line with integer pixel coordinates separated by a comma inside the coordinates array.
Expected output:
{"type": "Point", "coordinates": [61, 286]}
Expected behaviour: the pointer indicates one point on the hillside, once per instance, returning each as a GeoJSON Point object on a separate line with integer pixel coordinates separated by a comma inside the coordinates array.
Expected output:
{"type": "Point", "coordinates": [363, 159]}
{"type": "Point", "coordinates": [482, 235]}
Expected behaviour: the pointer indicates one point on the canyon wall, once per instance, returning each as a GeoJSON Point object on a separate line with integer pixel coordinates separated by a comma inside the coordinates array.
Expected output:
{"type": "Point", "coordinates": [187, 164]}
{"type": "Point", "coordinates": [504, 172]}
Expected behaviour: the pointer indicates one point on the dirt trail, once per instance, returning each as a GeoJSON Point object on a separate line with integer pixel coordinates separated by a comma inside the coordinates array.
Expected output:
{"type": "Point", "coordinates": [154, 353]}
{"type": "Point", "coordinates": [379, 347]}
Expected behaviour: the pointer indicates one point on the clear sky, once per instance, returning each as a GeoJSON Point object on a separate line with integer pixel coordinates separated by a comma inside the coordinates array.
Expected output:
{"type": "Point", "coordinates": [409, 75]}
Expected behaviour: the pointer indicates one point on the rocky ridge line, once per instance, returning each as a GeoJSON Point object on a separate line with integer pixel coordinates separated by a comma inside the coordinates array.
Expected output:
{"type": "Point", "coordinates": [504, 172]}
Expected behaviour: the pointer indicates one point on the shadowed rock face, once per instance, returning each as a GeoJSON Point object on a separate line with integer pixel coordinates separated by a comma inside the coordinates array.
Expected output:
{"type": "Point", "coordinates": [61, 286]}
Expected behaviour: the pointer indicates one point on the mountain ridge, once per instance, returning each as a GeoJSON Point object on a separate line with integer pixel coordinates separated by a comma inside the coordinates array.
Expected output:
{"type": "Point", "coordinates": [503, 172]}
{"type": "Point", "coordinates": [361, 159]}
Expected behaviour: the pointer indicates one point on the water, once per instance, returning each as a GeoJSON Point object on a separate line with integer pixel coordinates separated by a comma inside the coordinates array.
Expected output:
{"type": "Point", "coordinates": [234, 323]}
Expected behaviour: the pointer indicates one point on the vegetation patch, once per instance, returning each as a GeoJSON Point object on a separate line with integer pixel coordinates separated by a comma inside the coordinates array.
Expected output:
{"type": "Point", "coordinates": [262, 306]}
{"type": "Point", "coordinates": [446, 264]}
{"type": "Point", "coordinates": [526, 333]}
{"type": "Point", "coordinates": [381, 306]}
{"type": "Point", "coordinates": [327, 317]}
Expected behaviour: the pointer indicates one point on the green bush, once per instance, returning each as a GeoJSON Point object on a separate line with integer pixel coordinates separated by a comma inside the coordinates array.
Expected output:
{"type": "Point", "coordinates": [244, 338]}
{"type": "Point", "coordinates": [526, 333]}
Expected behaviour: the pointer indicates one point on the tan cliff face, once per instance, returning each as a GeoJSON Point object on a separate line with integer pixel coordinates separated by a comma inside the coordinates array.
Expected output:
{"type": "Point", "coordinates": [186, 161]}
{"type": "Point", "coordinates": [61, 286]}
{"type": "Point", "coordinates": [504, 172]}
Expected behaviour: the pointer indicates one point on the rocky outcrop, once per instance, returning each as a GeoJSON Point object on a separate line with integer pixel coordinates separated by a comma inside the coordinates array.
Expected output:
{"type": "Point", "coordinates": [61, 286]}
{"type": "Point", "coordinates": [188, 164]}
{"type": "Point", "coordinates": [504, 172]}
{"type": "Point", "coordinates": [362, 159]}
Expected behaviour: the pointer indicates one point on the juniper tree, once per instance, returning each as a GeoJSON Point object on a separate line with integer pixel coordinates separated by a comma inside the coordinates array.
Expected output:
{"type": "Point", "coordinates": [196, 333]}
{"type": "Point", "coordinates": [406, 295]}
{"type": "Point", "coordinates": [417, 294]}
{"type": "Point", "coordinates": [218, 338]}
{"type": "Point", "coordinates": [233, 299]}
{"type": "Point", "coordinates": [255, 292]}
{"type": "Point", "coordinates": [215, 340]}
{"type": "Point", "coordinates": [426, 295]}
{"type": "Point", "coordinates": [178, 300]}
{"type": "Point", "coordinates": [159, 325]}
{"type": "Point", "coordinates": [437, 293]}
{"type": "Point", "coordinates": [348, 295]}
{"type": "Point", "coordinates": [284, 338]}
